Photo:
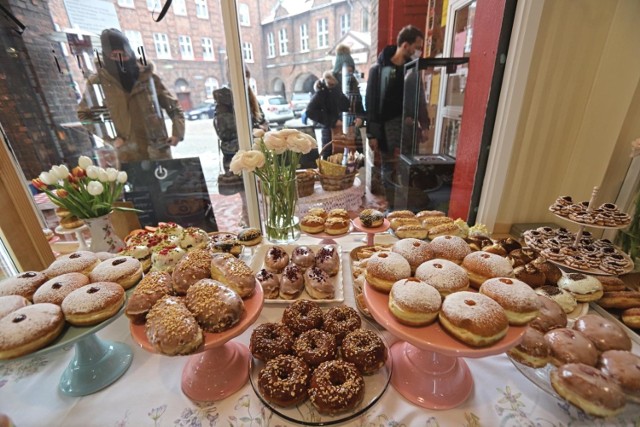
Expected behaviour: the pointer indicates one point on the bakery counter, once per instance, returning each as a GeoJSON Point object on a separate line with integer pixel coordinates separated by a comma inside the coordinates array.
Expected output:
{"type": "Point", "coordinates": [149, 393]}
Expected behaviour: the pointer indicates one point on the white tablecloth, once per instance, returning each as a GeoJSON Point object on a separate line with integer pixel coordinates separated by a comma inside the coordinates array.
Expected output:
{"type": "Point", "coordinates": [149, 393]}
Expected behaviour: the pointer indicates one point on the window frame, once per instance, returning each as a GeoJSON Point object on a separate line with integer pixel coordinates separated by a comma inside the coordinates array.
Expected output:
{"type": "Point", "coordinates": [271, 45]}
{"type": "Point", "coordinates": [157, 43]}
{"type": "Point", "coordinates": [283, 41]}
{"type": "Point", "coordinates": [183, 7]}
{"type": "Point", "coordinates": [247, 52]}
{"type": "Point", "coordinates": [201, 5]}
{"type": "Point", "coordinates": [345, 24]}
{"type": "Point", "coordinates": [322, 33]}
{"type": "Point", "coordinates": [184, 41]}
{"type": "Point", "coordinates": [127, 3]}
{"type": "Point", "coordinates": [304, 37]}
{"type": "Point", "coordinates": [244, 15]}
{"type": "Point", "coordinates": [156, 5]}
{"type": "Point", "coordinates": [205, 56]}
{"type": "Point", "coordinates": [135, 41]}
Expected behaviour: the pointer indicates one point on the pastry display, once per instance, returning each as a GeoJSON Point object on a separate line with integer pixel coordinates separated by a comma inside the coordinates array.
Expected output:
{"type": "Point", "coordinates": [123, 270]}
{"type": "Point", "coordinates": [336, 386]}
{"type": "Point", "coordinates": [473, 318]}
{"type": "Point", "coordinates": [519, 301]}
{"type": "Point", "coordinates": [298, 272]}
{"type": "Point", "coordinates": [606, 215]}
{"type": "Point", "coordinates": [334, 223]}
{"type": "Point", "coordinates": [624, 368]}
{"type": "Point", "coordinates": [29, 328]}
{"type": "Point", "coordinates": [481, 266]}
{"type": "Point", "coordinates": [193, 238]}
{"type": "Point", "coordinates": [55, 290]}
{"type": "Point", "coordinates": [250, 237]}
{"type": "Point", "coordinates": [315, 346]}
{"type": "Point", "coordinates": [386, 268]}
{"type": "Point", "coordinates": [153, 287]}
{"type": "Point", "coordinates": [194, 266]}
{"type": "Point", "coordinates": [283, 381]}
{"type": "Point", "coordinates": [570, 346]}
{"type": "Point", "coordinates": [550, 315]}
{"type": "Point", "coordinates": [140, 252]}
{"type": "Point", "coordinates": [414, 302]}
{"type": "Point", "coordinates": [302, 316]}
{"type": "Point", "coordinates": [371, 218]}
{"type": "Point", "coordinates": [605, 334]}
{"type": "Point", "coordinates": [11, 303]}
{"type": "Point", "coordinates": [215, 307]}
{"type": "Point", "coordinates": [76, 262]}
{"type": "Point", "coordinates": [270, 340]}
{"type": "Point", "coordinates": [93, 303]}
{"type": "Point", "coordinates": [172, 329]}
{"type": "Point", "coordinates": [446, 276]}
{"type": "Point", "coordinates": [589, 389]}
{"type": "Point", "coordinates": [452, 248]}
{"type": "Point", "coordinates": [532, 351]}
{"type": "Point", "coordinates": [24, 284]}
{"type": "Point", "coordinates": [340, 321]}
{"type": "Point", "coordinates": [234, 273]}
{"type": "Point", "coordinates": [415, 251]}
{"type": "Point", "coordinates": [166, 258]}
{"type": "Point", "coordinates": [565, 299]}
{"type": "Point", "coordinates": [583, 287]}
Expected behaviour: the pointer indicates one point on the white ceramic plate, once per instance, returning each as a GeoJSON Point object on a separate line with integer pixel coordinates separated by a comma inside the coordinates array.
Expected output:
{"type": "Point", "coordinates": [257, 263]}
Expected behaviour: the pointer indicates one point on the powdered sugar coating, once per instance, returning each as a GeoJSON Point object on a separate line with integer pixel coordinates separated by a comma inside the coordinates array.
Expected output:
{"type": "Point", "coordinates": [24, 284]}
{"type": "Point", "coordinates": [115, 269]}
{"type": "Point", "coordinates": [474, 312]}
{"type": "Point", "coordinates": [388, 266]}
{"type": "Point", "coordinates": [79, 261]}
{"type": "Point", "coordinates": [55, 290]}
{"type": "Point", "coordinates": [11, 303]}
{"type": "Point", "coordinates": [416, 295]}
{"type": "Point", "coordinates": [453, 248]}
{"type": "Point", "coordinates": [511, 294]}
{"type": "Point", "coordinates": [444, 275]}
{"type": "Point", "coordinates": [28, 324]}
{"type": "Point", "coordinates": [92, 297]}
{"type": "Point", "coordinates": [413, 250]}
{"type": "Point", "coordinates": [487, 264]}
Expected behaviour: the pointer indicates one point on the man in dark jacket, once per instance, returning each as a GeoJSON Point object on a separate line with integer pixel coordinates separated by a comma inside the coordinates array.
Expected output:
{"type": "Point", "coordinates": [326, 105]}
{"type": "Point", "coordinates": [385, 90]}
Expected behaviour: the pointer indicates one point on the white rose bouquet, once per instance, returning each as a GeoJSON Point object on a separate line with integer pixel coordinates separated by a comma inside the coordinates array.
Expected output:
{"type": "Point", "coordinates": [274, 158]}
{"type": "Point", "coordinates": [629, 239]}
{"type": "Point", "coordinates": [87, 191]}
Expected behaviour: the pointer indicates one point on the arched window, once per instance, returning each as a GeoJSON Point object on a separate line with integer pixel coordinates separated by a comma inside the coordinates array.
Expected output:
{"type": "Point", "coordinates": [182, 85]}
{"type": "Point", "coordinates": [210, 84]}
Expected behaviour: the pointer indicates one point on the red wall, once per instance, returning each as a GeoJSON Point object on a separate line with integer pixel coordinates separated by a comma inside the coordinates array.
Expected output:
{"type": "Point", "coordinates": [487, 25]}
{"type": "Point", "coordinates": [395, 14]}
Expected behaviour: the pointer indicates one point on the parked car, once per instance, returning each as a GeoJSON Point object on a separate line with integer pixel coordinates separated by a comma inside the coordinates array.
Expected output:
{"type": "Point", "coordinates": [275, 108]}
{"type": "Point", "coordinates": [299, 102]}
{"type": "Point", "coordinates": [202, 111]}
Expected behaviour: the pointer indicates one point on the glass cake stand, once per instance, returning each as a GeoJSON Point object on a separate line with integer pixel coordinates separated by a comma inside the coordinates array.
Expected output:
{"type": "Point", "coordinates": [220, 367]}
{"type": "Point", "coordinates": [96, 363]}
{"type": "Point", "coordinates": [428, 369]}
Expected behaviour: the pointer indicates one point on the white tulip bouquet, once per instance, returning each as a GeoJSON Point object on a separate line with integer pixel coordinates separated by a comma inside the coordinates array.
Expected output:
{"type": "Point", "coordinates": [274, 158]}
{"type": "Point", "coordinates": [87, 191]}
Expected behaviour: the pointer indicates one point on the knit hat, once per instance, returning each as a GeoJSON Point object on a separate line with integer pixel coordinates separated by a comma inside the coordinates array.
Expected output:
{"type": "Point", "coordinates": [113, 39]}
{"type": "Point", "coordinates": [343, 56]}
{"type": "Point", "coordinates": [127, 71]}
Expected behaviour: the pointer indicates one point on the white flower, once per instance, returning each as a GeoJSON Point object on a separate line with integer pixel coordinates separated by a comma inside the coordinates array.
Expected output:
{"type": "Point", "coordinates": [274, 142]}
{"type": "Point", "coordinates": [60, 172]}
{"type": "Point", "coordinates": [122, 177]}
{"type": "Point", "coordinates": [84, 162]}
{"type": "Point", "coordinates": [298, 143]}
{"type": "Point", "coordinates": [112, 174]}
{"type": "Point", "coordinates": [258, 133]}
{"type": "Point", "coordinates": [252, 160]}
{"type": "Point", "coordinates": [48, 178]}
{"type": "Point", "coordinates": [236, 162]}
{"type": "Point", "coordinates": [92, 172]}
{"type": "Point", "coordinates": [95, 188]}
{"type": "Point", "coordinates": [102, 175]}
{"type": "Point", "coordinates": [284, 133]}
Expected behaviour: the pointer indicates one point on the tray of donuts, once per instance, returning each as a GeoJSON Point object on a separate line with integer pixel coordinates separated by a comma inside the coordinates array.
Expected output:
{"type": "Point", "coordinates": [319, 366]}
{"type": "Point", "coordinates": [291, 272]}
{"type": "Point", "coordinates": [177, 311]}
{"type": "Point", "coordinates": [592, 365]}
{"type": "Point", "coordinates": [336, 222]}
{"type": "Point", "coordinates": [620, 303]}
{"type": "Point", "coordinates": [422, 225]}
{"type": "Point", "coordinates": [79, 292]}
{"type": "Point", "coordinates": [589, 255]}
{"type": "Point", "coordinates": [358, 258]}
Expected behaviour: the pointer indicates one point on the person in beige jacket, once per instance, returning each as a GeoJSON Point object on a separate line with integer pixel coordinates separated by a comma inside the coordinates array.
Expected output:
{"type": "Point", "coordinates": [134, 97]}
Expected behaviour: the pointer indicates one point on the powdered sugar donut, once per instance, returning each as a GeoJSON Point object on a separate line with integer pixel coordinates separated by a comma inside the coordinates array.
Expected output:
{"type": "Point", "coordinates": [444, 275]}
{"type": "Point", "coordinates": [519, 301]}
{"type": "Point", "coordinates": [24, 284]}
{"type": "Point", "coordinates": [386, 268]}
{"type": "Point", "coordinates": [413, 302]}
{"type": "Point", "coordinates": [11, 303]}
{"type": "Point", "coordinates": [481, 266]}
{"type": "Point", "coordinates": [55, 290]}
{"type": "Point", "coordinates": [123, 270]}
{"type": "Point", "coordinates": [413, 250]}
{"type": "Point", "coordinates": [452, 248]}
{"type": "Point", "coordinates": [29, 329]}
{"type": "Point", "coordinates": [77, 262]}
{"type": "Point", "coordinates": [93, 303]}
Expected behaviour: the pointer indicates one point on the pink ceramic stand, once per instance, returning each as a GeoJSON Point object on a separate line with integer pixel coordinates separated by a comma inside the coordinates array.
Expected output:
{"type": "Point", "coordinates": [327, 239]}
{"type": "Point", "coordinates": [427, 368]}
{"type": "Point", "coordinates": [371, 232]}
{"type": "Point", "coordinates": [221, 367]}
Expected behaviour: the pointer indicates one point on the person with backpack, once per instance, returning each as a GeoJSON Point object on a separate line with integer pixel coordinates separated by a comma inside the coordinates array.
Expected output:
{"type": "Point", "coordinates": [326, 106]}
{"type": "Point", "coordinates": [224, 121]}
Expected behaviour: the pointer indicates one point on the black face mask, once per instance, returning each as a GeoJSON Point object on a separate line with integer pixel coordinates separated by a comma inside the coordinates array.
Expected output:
{"type": "Point", "coordinates": [126, 72]}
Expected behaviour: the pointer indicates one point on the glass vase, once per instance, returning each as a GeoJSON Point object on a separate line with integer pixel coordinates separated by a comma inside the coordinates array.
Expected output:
{"type": "Point", "coordinates": [103, 236]}
{"type": "Point", "coordinates": [278, 200]}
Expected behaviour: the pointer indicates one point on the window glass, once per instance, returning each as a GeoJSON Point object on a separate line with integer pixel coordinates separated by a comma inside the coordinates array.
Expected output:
{"type": "Point", "coordinates": [201, 9]}
{"type": "Point", "coordinates": [323, 33]}
{"type": "Point", "coordinates": [345, 24]}
{"type": "Point", "coordinates": [304, 37]}
{"type": "Point", "coordinates": [207, 49]}
{"type": "Point", "coordinates": [153, 5]}
{"type": "Point", "coordinates": [271, 46]}
{"type": "Point", "coordinates": [126, 3]}
{"type": "Point", "coordinates": [179, 7]}
{"type": "Point", "coordinates": [243, 14]}
{"type": "Point", "coordinates": [283, 41]}
{"type": "Point", "coordinates": [186, 50]}
{"type": "Point", "coordinates": [247, 52]}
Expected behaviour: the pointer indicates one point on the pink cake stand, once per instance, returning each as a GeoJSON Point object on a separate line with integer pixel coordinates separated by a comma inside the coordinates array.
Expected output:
{"type": "Point", "coordinates": [371, 232]}
{"type": "Point", "coordinates": [220, 368]}
{"type": "Point", "coordinates": [428, 369]}
{"type": "Point", "coordinates": [326, 238]}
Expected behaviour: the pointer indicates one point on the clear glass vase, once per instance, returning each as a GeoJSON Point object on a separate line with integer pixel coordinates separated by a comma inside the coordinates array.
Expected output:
{"type": "Point", "coordinates": [103, 236]}
{"type": "Point", "coordinates": [278, 200]}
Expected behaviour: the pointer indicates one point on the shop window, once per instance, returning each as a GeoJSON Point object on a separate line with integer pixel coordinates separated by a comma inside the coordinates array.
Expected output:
{"type": "Point", "coordinates": [247, 52]}
{"type": "Point", "coordinates": [154, 5]}
{"type": "Point", "coordinates": [345, 24]}
{"type": "Point", "coordinates": [304, 38]}
{"type": "Point", "coordinates": [271, 46]}
{"type": "Point", "coordinates": [323, 33]}
{"type": "Point", "coordinates": [180, 7]}
{"type": "Point", "coordinates": [186, 50]}
{"type": "Point", "coordinates": [365, 20]}
{"type": "Point", "coordinates": [161, 41]}
{"type": "Point", "coordinates": [243, 14]}
{"type": "Point", "coordinates": [207, 49]}
{"type": "Point", "coordinates": [283, 41]}
{"type": "Point", "coordinates": [201, 9]}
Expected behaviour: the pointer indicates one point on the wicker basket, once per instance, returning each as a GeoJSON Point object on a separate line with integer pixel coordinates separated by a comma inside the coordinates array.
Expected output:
{"type": "Point", "coordinates": [305, 182]}
{"type": "Point", "coordinates": [337, 183]}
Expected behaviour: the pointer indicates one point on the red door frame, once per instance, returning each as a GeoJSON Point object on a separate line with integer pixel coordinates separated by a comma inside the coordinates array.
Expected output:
{"type": "Point", "coordinates": [489, 16]}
